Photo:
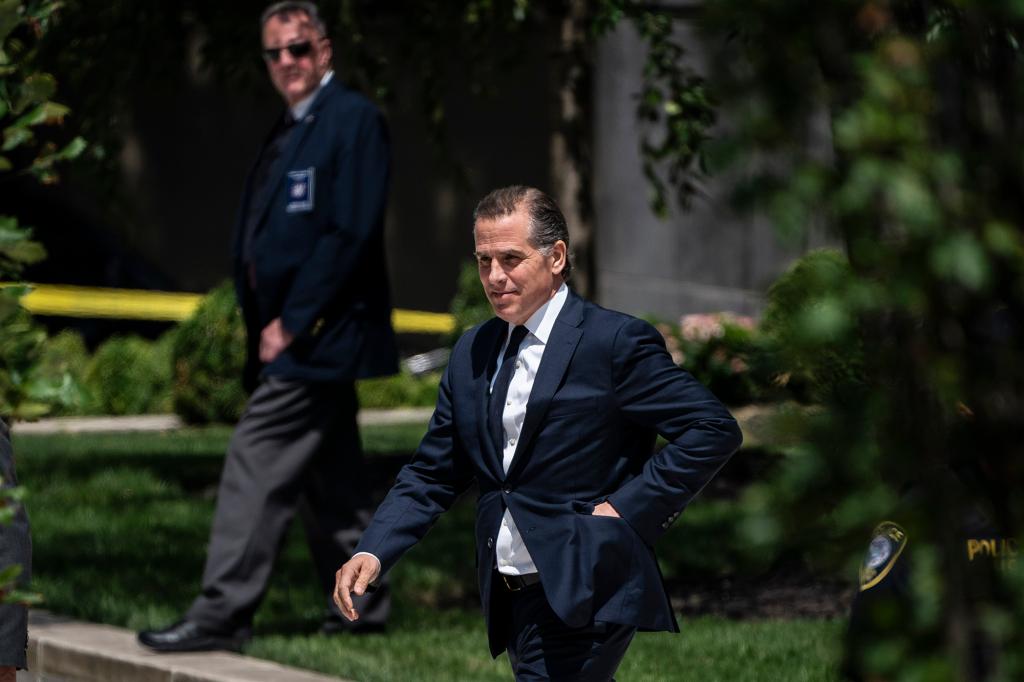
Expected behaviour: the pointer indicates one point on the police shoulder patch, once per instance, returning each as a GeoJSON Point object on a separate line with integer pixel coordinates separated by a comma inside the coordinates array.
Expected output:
{"type": "Point", "coordinates": [887, 543]}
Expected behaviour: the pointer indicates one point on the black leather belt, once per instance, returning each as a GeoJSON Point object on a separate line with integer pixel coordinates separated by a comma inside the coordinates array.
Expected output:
{"type": "Point", "coordinates": [514, 583]}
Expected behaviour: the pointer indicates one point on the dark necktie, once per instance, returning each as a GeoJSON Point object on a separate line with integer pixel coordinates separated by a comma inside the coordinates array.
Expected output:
{"type": "Point", "coordinates": [261, 177]}
{"type": "Point", "coordinates": [504, 378]}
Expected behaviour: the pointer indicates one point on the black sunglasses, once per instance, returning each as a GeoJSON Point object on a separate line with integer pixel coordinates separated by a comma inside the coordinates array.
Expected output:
{"type": "Point", "coordinates": [296, 50]}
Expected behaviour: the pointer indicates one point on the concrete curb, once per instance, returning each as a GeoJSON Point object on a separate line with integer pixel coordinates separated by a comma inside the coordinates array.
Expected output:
{"type": "Point", "coordinates": [63, 650]}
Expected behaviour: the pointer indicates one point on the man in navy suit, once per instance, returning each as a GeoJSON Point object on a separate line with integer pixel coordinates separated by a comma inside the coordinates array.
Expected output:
{"type": "Point", "coordinates": [312, 283]}
{"type": "Point", "coordinates": [552, 408]}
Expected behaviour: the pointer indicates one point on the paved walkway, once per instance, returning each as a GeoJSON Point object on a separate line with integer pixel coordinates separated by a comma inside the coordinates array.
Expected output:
{"type": "Point", "coordinates": [168, 422]}
{"type": "Point", "coordinates": [63, 650]}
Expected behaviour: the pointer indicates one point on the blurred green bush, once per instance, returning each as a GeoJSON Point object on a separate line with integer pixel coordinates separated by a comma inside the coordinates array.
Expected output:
{"type": "Point", "coordinates": [806, 343]}
{"type": "Point", "coordinates": [128, 375]}
{"type": "Point", "coordinates": [469, 305]}
{"type": "Point", "coordinates": [400, 390]}
{"type": "Point", "coordinates": [716, 348]}
{"type": "Point", "coordinates": [63, 361]}
{"type": "Point", "coordinates": [207, 358]}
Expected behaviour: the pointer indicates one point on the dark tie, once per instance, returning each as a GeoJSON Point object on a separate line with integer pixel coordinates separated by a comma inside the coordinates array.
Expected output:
{"type": "Point", "coordinates": [500, 392]}
{"type": "Point", "coordinates": [261, 177]}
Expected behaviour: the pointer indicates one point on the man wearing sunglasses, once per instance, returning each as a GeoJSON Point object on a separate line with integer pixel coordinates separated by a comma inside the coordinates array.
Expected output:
{"type": "Point", "coordinates": [312, 283]}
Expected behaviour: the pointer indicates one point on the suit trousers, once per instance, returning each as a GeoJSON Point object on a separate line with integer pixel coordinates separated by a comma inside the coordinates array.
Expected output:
{"type": "Point", "coordinates": [296, 448]}
{"type": "Point", "coordinates": [15, 549]}
{"type": "Point", "coordinates": [542, 647]}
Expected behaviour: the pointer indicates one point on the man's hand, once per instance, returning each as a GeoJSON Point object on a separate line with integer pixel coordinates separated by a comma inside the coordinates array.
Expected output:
{"type": "Point", "coordinates": [606, 509]}
{"type": "Point", "coordinates": [273, 339]}
{"type": "Point", "coordinates": [357, 573]}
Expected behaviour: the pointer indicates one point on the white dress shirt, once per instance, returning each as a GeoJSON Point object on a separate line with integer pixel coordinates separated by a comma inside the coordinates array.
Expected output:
{"type": "Point", "coordinates": [301, 108]}
{"type": "Point", "coordinates": [510, 551]}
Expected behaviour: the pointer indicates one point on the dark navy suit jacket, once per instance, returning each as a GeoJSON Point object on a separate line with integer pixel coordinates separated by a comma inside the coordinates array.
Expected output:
{"type": "Point", "coordinates": [605, 388]}
{"type": "Point", "coordinates": [319, 256]}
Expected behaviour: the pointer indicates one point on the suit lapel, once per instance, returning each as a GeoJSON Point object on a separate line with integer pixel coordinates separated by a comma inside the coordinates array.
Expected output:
{"type": "Point", "coordinates": [565, 336]}
{"type": "Point", "coordinates": [491, 338]}
{"type": "Point", "coordinates": [295, 142]}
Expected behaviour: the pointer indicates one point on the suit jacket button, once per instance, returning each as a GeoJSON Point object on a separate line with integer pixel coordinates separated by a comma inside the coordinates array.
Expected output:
{"type": "Point", "coordinates": [490, 543]}
{"type": "Point", "coordinates": [507, 491]}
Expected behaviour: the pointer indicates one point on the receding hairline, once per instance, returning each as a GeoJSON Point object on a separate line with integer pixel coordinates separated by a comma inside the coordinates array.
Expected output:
{"type": "Point", "coordinates": [307, 15]}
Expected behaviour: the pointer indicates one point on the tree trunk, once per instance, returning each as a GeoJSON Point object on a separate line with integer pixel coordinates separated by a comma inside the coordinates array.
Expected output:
{"type": "Point", "coordinates": [571, 141]}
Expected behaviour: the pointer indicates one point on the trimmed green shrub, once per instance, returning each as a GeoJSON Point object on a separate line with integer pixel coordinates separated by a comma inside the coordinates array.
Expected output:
{"type": "Point", "coordinates": [128, 375]}
{"type": "Point", "coordinates": [63, 362]}
{"type": "Point", "coordinates": [400, 390]}
{"type": "Point", "coordinates": [208, 355]}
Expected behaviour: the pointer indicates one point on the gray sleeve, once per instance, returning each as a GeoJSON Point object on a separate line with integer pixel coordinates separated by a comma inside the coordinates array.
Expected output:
{"type": "Point", "coordinates": [15, 548]}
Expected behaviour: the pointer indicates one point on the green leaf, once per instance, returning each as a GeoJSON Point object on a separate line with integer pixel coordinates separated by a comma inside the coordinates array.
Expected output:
{"type": "Point", "coordinates": [37, 89]}
{"type": "Point", "coordinates": [29, 410]}
{"type": "Point", "coordinates": [15, 137]}
{"type": "Point", "coordinates": [24, 598]}
{"type": "Point", "coordinates": [72, 150]}
{"type": "Point", "coordinates": [1003, 240]}
{"type": "Point", "coordinates": [961, 258]}
{"type": "Point", "coordinates": [10, 17]}
{"type": "Point", "coordinates": [824, 322]}
{"type": "Point", "coordinates": [46, 113]}
{"type": "Point", "coordinates": [910, 200]}
{"type": "Point", "coordinates": [26, 252]}
{"type": "Point", "coordinates": [9, 574]}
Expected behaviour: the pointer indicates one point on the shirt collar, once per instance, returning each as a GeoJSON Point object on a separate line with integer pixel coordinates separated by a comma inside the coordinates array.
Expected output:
{"type": "Point", "coordinates": [301, 107]}
{"type": "Point", "coordinates": [543, 319]}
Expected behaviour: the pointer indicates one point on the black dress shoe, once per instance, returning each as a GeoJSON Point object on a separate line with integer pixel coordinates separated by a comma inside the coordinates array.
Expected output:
{"type": "Point", "coordinates": [185, 635]}
{"type": "Point", "coordinates": [337, 625]}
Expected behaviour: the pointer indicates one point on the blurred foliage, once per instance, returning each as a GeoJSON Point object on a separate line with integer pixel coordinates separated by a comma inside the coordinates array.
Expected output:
{"type": "Point", "coordinates": [28, 119]}
{"type": "Point", "coordinates": [399, 390]}
{"type": "Point", "coordinates": [895, 126]}
{"type": "Point", "coordinates": [64, 360]}
{"type": "Point", "coordinates": [129, 375]}
{"type": "Point", "coordinates": [207, 359]}
{"type": "Point", "coordinates": [805, 344]}
{"type": "Point", "coordinates": [469, 305]}
{"type": "Point", "coordinates": [674, 103]}
{"type": "Point", "coordinates": [209, 355]}
{"type": "Point", "coordinates": [800, 350]}
{"type": "Point", "coordinates": [717, 349]}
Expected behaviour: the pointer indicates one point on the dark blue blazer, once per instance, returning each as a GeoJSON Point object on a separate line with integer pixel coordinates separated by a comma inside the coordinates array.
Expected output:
{"type": "Point", "coordinates": [319, 255]}
{"type": "Point", "coordinates": [605, 388]}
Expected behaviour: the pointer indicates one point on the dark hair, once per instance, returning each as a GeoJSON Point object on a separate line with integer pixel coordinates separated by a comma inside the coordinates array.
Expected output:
{"type": "Point", "coordinates": [547, 224]}
{"type": "Point", "coordinates": [285, 9]}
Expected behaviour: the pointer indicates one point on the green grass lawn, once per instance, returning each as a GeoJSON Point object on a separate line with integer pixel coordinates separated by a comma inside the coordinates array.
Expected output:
{"type": "Point", "coordinates": [120, 525]}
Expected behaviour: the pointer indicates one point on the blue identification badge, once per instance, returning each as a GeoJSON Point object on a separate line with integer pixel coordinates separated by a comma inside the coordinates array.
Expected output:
{"type": "Point", "coordinates": [300, 191]}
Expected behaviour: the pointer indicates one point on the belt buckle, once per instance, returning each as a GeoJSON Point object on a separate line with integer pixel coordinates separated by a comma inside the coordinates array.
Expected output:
{"type": "Point", "coordinates": [509, 584]}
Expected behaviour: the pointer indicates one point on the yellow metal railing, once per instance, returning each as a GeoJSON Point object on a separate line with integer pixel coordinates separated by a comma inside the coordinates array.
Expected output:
{"type": "Point", "coordinates": [136, 304]}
